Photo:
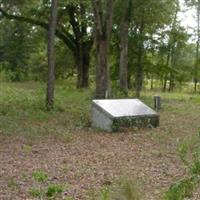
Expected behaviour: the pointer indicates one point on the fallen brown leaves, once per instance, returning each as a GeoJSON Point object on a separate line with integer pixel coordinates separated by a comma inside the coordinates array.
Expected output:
{"type": "Point", "coordinates": [93, 160]}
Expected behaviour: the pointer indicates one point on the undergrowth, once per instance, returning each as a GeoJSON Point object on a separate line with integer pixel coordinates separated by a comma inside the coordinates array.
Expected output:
{"type": "Point", "coordinates": [189, 153]}
{"type": "Point", "coordinates": [22, 110]}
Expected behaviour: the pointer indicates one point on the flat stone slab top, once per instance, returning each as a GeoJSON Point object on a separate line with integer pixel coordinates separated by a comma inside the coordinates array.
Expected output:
{"type": "Point", "coordinates": [112, 114]}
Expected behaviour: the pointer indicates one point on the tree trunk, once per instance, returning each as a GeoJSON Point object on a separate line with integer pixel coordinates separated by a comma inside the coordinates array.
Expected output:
{"type": "Point", "coordinates": [129, 81]}
{"type": "Point", "coordinates": [82, 62]}
{"type": "Point", "coordinates": [123, 68]}
{"type": "Point", "coordinates": [139, 74]}
{"type": "Point", "coordinates": [82, 75]}
{"type": "Point", "coordinates": [171, 52]}
{"type": "Point", "coordinates": [140, 51]}
{"type": "Point", "coordinates": [123, 59]}
{"type": "Point", "coordinates": [173, 63]}
{"type": "Point", "coordinates": [139, 66]}
{"type": "Point", "coordinates": [197, 48]}
{"type": "Point", "coordinates": [51, 56]}
{"type": "Point", "coordinates": [171, 83]}
{"type": "Point", "coordinates": [102, 69]}
{"type": "Point", "coordinates": [165, 83]}
{"type": "Point", "coordinates": [103, 27]}
{"type": "Point", "coordinates": [152, 82]}
{"type": "Point", "coordinates": [83, 45]}
{"type": "Point", "coordinates": [167, 64]}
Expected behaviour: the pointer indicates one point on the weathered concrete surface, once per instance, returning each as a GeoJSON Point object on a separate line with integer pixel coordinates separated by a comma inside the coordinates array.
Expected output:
{"type": "Point", "coordinates": [100, 120]}
{"type": "Point", "coordinates": [112, 114]}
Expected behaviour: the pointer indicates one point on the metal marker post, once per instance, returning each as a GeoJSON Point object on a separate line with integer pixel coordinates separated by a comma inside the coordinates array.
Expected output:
{"type": "Point", "coordinates": [157, 103]}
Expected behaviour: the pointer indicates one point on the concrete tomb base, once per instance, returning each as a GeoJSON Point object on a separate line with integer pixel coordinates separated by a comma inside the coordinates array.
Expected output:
{"type": "Point", "coordinates": [113, 114]}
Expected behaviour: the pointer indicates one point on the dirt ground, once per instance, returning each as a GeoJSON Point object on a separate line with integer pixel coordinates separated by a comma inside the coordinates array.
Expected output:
{"type": "Point", "coordinates": [92, 160]}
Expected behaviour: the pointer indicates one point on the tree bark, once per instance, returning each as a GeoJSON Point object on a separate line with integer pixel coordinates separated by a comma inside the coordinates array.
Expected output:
{"type": "Point", "coordinates": [123, 68]}
{"type": "Point", "coordinates": [152, 82]}
{"type": "Point", "coordinates": [82, 43]}
{"type": "Point", "coordinates": [172, 53]}
{"type": "Point", "coordinates": [173, 63]}
{"type": "Point", "coordinates": [139, 74]}
{"type": "Point", "coordinates": [123, 61]}
{"type": "Point", "coordinates": [51, 55]}
{"type": "Point", "coordinates": [129, 81]}
{"type": "Point", "coordinates": [167, 65]}
{"type": "Point", "coordinates": [197, 48]}
{"type": "Point", "coordinates": [103, 27]}
{"type": "Point", "coordinates": [102, 69]}
{"type": "Point", "coordinates": [139, 67]}
{"type": "Point", "coordinates": [82, 63]}
{"type": "Point", "coordinates": [165, 83]}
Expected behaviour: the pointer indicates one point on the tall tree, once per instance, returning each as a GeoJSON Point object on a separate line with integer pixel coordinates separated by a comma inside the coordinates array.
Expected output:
{"type": "Point", "coordinates": [196, 5]}
{"type": "Point", "coordinates": [82, 41]}
{"type": "Point", "coordinates": [149, 17]}
{"type": "Point", "coordinates": [15, 60]}
{"type": "Point", "coordinates": [197, 47]}
{"type": "Point", "coordinates": [103, 14]}
{"type": "Point", "coordinates": [124, 27]}
{"type": "Point", "coordinates": [51, 55]}
{"type": "Point", "coordinates": [75, 37]}
{"type": "Point", "coordinates": [172, 48]}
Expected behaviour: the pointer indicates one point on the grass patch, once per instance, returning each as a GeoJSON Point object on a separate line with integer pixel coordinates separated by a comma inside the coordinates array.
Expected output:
{"type": "Point", "coordinates": [22, 110]}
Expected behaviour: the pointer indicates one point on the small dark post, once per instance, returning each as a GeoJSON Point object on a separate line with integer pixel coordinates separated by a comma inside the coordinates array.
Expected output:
{"type": "Point", "coordinates": [157, 103]}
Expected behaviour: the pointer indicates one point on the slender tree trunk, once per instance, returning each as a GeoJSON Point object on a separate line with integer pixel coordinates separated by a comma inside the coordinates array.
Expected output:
{"type": "Point", "coordinates": [86, 63]}
{"type": "Point", "coordinates": [152, 82]}
{"type": "Point", "coordinates": [165, 83]}
{"type": "Point", "coordinates": [123, 58]}
{"type": "Point", "coordinates": [173, 63]}
{"type": "Point", "coordinates": [129, 81]}
{"type": "Point", "coordinates": [166, 75]}
{"type": "Point", "coordinates": [124, 25]}
{"type": "Point", "coordinates": [139, 74]}
{"type": "Point", "coordinates": [85, 49]}
{"type": "Point", "coordinates": [51, 56]}
{"type": "Point", "coordinates": [102, 69]}
{"type": "Point", "coordinates": [139, 67]}
{"type": "Point", "coordinates": [195, 84]}
{"type": "Point", "coordinates": [197, 48]}
{"type": "Point", "coordinates": [171, 54]}
{"type": "Point", "coordinates": [165, 78]}
{"type": "Point", "coordinates": [171, 83]}
{"type": "Point", "coordinates": [167, 64]}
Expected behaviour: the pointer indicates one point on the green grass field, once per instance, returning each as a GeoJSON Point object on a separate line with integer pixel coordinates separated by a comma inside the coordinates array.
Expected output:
{"type": "Point", "coordinates": [81, 162]}
{"type": "Point", "coordinates": [22, 108]}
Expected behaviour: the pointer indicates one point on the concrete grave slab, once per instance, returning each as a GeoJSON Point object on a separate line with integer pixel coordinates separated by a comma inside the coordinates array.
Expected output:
{"type": "Point", "coordinates": [112, 114]}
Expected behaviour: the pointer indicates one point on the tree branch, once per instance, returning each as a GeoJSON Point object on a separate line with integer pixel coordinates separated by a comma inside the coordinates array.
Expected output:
{"type": "Point", "coordinates": [66, 37]}
{"type": "Point", "coordinates": [75, 25]}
